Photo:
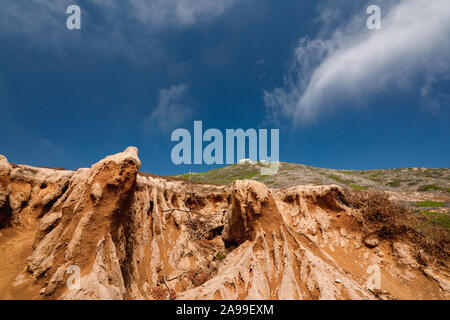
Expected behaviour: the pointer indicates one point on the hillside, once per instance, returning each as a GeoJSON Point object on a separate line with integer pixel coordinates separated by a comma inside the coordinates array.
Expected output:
{"type": "Point", "coordinates": [133, 235]}
{"type": "Point", "coordinates": [291, 174]}
{"type": "Point", "coordinates": [426, 191]}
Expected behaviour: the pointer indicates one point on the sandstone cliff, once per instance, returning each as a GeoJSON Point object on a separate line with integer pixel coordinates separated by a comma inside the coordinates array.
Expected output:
{"type": "Point", "coordinates": [137, 236]}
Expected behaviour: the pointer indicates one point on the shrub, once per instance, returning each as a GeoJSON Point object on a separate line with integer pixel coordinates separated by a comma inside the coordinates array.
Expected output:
{"type": "Point", "coordinates": [357, 187]}
{"type": "Point", "coordinates": [221, 256]}
{"type": "Point", "coordinates": [432, 213]}
{"type": "Point", "coordinates": [429, 204]}
{"type": "Point", "coordinates": [441, 221]}
{"type": "Point", "coordinates": [378, 215]}
{"type": "Point", "coordinates": [395, 183]}
{"type": "Point", "coordinates": [339, 179]}
{"type": "Point", "coordinates": [429, 187]}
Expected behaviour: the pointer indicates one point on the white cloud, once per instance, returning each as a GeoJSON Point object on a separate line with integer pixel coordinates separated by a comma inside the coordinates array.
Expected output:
{"type": "Point", "coordinates": [131, 28]}
{"type": "Point", "coordinates": [355, 63]}
{"type": "Point", "coordinates": [171, 110]}
{"type": "Point", "coordinates": [33, 17]}
{"type": "Point", "coordinates": [157, 13]}
{"type": "Point", "coordinates": [160, 13]}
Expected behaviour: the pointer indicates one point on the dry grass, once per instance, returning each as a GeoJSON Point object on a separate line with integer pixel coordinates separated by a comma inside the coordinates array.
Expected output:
{"type": "Point", "coordinates": [378, 215]}
{"type": "Point", "coordinates": [176, 178]}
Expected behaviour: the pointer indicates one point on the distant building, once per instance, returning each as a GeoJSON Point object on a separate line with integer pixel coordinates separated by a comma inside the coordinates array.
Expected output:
{"type": "Point", "coordinates": [248, 161]}
{"type": "Point", "coordinates": [245, 161]}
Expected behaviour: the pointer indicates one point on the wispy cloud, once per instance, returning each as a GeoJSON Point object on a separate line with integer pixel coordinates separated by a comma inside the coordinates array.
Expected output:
{"type": "Point", "coordinates": [160, 13]}
{"type": "Point", "coordinates": [27, 15]}
{"type": "Point", "coordinates": [172, 109]}
{"type": "Point", "coordinates": [128, 28]}
{"type": "Point", "coordinates": [33, 17]}
{"type": "Point", "coordinates": [354, 63]}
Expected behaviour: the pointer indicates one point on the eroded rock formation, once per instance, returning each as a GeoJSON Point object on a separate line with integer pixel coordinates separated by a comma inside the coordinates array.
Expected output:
{"type": "Point", "coordinates": [137, 236]}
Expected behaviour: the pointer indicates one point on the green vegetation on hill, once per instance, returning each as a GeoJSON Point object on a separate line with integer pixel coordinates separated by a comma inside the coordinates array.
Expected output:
{"type": "Point", "coordinates": [432, 213]}
{"type": "Point", "coordinates": [341, 180]}
{"type": "Point", "coordinates": [348, 182]}
{"type": "Point", "coordinates": [291, 174]}
{"type": "Point", "coordinates": [395, 183]}
{"type": "Point", "coordinates": [442, 221]}
{"type": "Point", "coordinates": [429, 204]}
{"type": "Point", "coordinates": [429, 187]}
{"type": "Point", "coordinates": [224, 175]}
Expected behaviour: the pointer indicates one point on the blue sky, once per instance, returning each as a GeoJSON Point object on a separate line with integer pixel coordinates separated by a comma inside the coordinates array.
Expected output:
{"type": "Point", "coordinates": [342, 96]}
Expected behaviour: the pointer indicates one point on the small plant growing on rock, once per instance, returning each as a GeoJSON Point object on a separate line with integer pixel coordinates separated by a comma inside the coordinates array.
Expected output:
{"type": "Point", "coordinates": [158, 293]}
{"type": "Point", "coordinates": [221, 256]}
{"type": "Point", "coordinates": [198, 277]}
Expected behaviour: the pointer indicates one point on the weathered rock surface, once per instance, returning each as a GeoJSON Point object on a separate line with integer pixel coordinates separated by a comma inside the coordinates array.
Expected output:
{"type": "Point", "coordinates": [110, 232]}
